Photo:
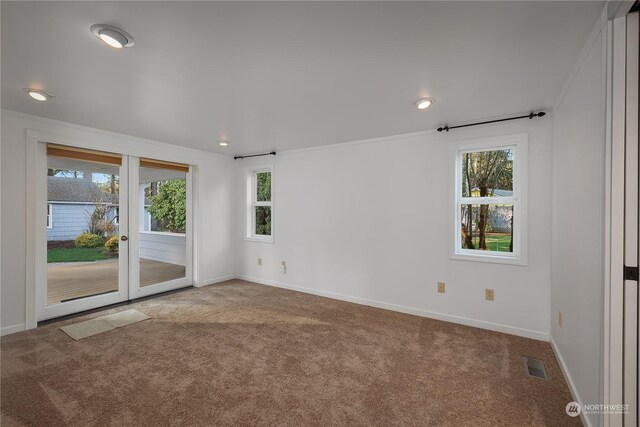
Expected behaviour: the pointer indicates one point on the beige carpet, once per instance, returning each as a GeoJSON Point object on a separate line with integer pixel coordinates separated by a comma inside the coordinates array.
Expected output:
{"type": "Point", "coordinates": [239, 353]}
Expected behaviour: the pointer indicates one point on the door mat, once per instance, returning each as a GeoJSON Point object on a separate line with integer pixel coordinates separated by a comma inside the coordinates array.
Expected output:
{"type": "Point", "coordinates": [101, 324]}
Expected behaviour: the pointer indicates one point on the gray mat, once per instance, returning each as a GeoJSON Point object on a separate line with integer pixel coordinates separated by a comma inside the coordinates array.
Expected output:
{"type": "Point", "coordinates": [101, 324]}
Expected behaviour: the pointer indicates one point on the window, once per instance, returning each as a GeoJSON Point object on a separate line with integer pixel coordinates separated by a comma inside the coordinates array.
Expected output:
{"type": "Point", "coordinates": [259, 204]}
{"type": "Point", "coordinates": [49, 215]}
{"type": "Point", "coordinates": [116, 217]}
{"type": "Point", "coordinates": [490, 209]}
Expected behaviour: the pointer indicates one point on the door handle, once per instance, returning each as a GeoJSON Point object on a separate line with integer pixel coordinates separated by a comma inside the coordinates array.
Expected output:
{"type": "Point", "coordinates": [124, 238]}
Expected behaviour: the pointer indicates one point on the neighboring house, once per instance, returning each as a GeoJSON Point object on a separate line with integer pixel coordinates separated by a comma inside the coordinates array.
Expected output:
{"type": "Point", "coordinates": [499, 215]}
{"type": "Point", "coordinates": [475, 192]}
{"type": "Point", "coordinates": [71, 201]}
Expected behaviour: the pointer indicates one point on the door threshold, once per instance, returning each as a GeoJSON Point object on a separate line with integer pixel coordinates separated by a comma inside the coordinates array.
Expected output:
{"type": "Point", "coordinates": [110, 306]}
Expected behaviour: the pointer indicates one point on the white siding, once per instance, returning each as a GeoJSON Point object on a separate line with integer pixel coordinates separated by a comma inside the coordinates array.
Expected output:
{"type": "Point", "coordinates": [71, 219]}
{"type": "Point", "coordinates": [165, 247]}
{"type": "Point", "coordinates": [68, 220]}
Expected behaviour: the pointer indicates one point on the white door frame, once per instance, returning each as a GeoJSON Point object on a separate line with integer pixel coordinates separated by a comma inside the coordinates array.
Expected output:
{"type": "Point", "coordinates": [36, 196]}
{"type": "Point", "coordinates": [612, 356]}
{"type": "Point", "coordinates": [630, 290]}
{"type": "Point", "coordinates": [621, 189]}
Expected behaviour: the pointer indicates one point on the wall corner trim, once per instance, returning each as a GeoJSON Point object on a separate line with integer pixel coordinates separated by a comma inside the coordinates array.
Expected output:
{"type": "Point", "coordinates": [598, 28]}
{"type": "Point", "coordinates": [207, 282]}
{"type": "Point", "coordinates": [567, 377]}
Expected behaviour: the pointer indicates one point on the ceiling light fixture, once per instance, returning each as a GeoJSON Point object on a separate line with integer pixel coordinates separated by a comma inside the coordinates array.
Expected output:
{"type": "Point", "coordinates": [38, 94]}
{"type": "Point", "coordinates": [424, 103]}
{"type": "Point", "coordinates": [113, 36]}
{"type": "Point", "coordinates": [224, 142]}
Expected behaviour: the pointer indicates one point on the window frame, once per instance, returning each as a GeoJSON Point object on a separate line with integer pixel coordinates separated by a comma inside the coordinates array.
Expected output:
{"type": "Point", "coordinates": [49, 216]}
{"type": "Point", "coordinates": [252, 202]}
{"type": "Point", "coordinates": [116, 216]}
{"type": "Point", "coordinates": [519, 144]}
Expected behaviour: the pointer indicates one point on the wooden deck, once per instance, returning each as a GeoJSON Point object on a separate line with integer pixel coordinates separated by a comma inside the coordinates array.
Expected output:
{"type": "Point", "coordinates": [67, 281]}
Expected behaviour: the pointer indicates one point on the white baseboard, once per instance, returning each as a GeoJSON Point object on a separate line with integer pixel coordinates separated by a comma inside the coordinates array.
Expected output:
{"type": "Point", "coordinates": [208, 282]}
{"type": "Point", "coordinates": [568, 379]}
{"type": "Point", "coordinates": [527, 333]}
{"type": "Point", "coordinates": [537, 335]}
{"type": "Point", "coordinates": [12, 329]}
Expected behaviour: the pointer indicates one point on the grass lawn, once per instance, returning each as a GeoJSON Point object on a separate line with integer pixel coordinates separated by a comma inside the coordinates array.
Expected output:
{"type": "Point", "coordinates": [498, 242]}
{"type": "Point", "coordinates": [76, 254]}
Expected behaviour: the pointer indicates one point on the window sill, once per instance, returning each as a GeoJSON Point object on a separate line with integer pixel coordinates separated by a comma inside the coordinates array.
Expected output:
{"type": "Point", "coordinates": [492, 259]}
{"type": "Point", "coordinates": [266, 239]}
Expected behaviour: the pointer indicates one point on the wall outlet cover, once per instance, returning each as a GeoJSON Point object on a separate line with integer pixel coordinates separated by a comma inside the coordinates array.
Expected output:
{"type": "Point", "coordinates": [488, 294]}
{"type": "Point", "coordinates": [441, 288]}
{"type": "Point", "coordinates": [560, 319]}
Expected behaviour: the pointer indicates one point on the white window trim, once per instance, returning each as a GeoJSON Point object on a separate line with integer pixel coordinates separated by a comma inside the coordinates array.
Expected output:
{"type": "Point", "coordinates": [116, 216]}
{"type": "Point", "coordinates": [251, 203]}
{"type": "Point", "coordinates": [519, 144]}
{"type": "Point", "coordinates": [49, 215]}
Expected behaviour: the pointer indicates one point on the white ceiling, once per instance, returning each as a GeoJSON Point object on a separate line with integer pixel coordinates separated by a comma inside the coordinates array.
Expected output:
{"type": "Point", "coordinates": [288, 75]}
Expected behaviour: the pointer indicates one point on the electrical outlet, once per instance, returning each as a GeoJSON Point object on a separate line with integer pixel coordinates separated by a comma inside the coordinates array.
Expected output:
{"type": "Point", "coordinates": [488, 294]}
{"type": "Point", "coordinates": [441, 287]}
{"type": "Point", "coordinates": [260, 261]}
{"type": "Point", "coordinates": [283, 267]}
{"type": "Point", "coordinates": [560, 319]}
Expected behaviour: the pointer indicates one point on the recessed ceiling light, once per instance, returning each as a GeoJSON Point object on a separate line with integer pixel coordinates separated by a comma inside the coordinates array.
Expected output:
{"type": "Point", "coordinates": [113, 36]}
{"type": "Point", "coordinates": [424, 103]}
{"type": "Point", "coordinates": [38, 94]}
{"type": "Point", "coordinates": [224, 142]}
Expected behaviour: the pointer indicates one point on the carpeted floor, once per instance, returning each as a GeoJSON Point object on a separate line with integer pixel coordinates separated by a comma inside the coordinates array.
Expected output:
{"type": "Point", "coordinates": [239, 353]}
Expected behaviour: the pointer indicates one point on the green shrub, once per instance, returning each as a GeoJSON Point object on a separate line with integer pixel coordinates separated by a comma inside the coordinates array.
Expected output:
{"type": "Point", "coordinates": [88, 240]}
{"type": "Point", "coordinates": [112, 245]}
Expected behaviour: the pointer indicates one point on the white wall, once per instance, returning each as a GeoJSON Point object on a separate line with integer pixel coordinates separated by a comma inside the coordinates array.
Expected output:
{"type": "Point", "coordinates": [577, 273]}
{"type": "Point", "coordinates": [369, 222]}
{"type": "Point", "coordinates": [214, 218]}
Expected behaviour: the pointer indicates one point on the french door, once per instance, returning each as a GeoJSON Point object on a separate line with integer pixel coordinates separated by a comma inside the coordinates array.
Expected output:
{"type": "Point", "coordinates": [622, 354]}
{"type": "Point", "coordinates": [117, 228]}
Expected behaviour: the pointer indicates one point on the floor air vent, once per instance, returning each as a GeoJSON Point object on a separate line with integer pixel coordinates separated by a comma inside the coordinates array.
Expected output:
{"type": "Point", "coordinates": [535, 367]}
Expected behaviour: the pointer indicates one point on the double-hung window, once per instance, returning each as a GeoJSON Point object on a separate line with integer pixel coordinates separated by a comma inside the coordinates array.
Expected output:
{"type": "Point", "coordinates": [490, 209]}
{"type": "Point", "coordinates": [260, 204]}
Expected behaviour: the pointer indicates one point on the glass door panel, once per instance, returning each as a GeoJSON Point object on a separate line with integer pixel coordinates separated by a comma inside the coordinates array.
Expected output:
{"type": "Point", "coordinates": [162, 243]}
{"type": "Point", "coordinates": [85, 268]}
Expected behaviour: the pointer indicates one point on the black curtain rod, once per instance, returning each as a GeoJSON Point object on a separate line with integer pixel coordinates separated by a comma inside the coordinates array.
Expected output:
{"type": "Point", "coordinates": [270, 153]}
{"type": "Point", "coordinates": [528, 116]}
